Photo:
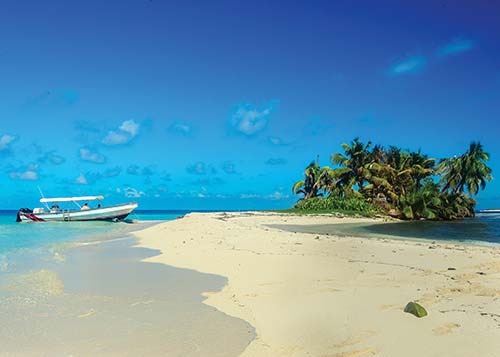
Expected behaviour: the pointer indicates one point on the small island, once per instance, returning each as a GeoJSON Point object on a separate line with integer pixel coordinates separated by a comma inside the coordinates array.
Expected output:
{"type": "Point", "coordinates": [370, 179]}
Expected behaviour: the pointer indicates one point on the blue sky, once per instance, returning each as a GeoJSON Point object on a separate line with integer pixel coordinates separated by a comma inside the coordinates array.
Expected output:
{"type": "Point", "coordinates": [221, 104]}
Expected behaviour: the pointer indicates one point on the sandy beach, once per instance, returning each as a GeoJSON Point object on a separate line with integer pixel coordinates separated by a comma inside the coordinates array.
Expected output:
{"type": "Point", "coordinates": [322, 295]}
{"type": "Point", "coordinates": [96, 298]}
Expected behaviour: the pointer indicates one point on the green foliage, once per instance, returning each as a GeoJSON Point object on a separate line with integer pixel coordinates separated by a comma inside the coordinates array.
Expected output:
{"type": "Point", "coordinates": [337, 204]}
{"type": "Point", "coordinates": [405, 184]}
{"type": "Point", "coordinates": [313, 182]}
{"type": "Point", "coordinates": [353, 164]}
{"type": "Point", "coordinates": [467, 171]}
{"type": "Point", "coordinates": [415, 309]}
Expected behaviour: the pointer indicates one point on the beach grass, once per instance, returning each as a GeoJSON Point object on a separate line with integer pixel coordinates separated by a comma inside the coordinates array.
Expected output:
{"type": "Point", "coordinates": [337, 212]}
{"type": "Point", "coordinates": [335, 205]}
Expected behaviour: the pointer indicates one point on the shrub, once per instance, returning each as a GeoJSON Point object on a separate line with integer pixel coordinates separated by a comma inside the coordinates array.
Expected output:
{"type": "Point", "coordinates": [337, 204]}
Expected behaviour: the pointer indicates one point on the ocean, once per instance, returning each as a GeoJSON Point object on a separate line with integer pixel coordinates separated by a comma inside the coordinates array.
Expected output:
{"type": "Point", "coordinates": [15, 236]}
{"type": "Point", "coordinates": [82, 288]}
{"type": "Point", "coordinates": [36, 238]}
{"type": "Point", "coordinates": [24, 245]}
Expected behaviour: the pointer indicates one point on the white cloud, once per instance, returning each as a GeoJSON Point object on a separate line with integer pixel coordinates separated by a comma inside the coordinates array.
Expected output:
{"type": "Point", "coordinates": [180, 128]}
{"type": "Point", "coordinates": [456, 46]}
{"type": "Point", "coordinates": [249, 120]}
{"type": "Point", "coordinates": [201, 168]}
{"type": "Point", "coordinates": [112, 172]}
{"type": "Point", "coordinates": [276, 141]}
{"type": "Point", "coordinates": [5, 141]}
{"type": "Point", "coordinates": [95, 157]}
{"type": "Point", "coordinates": [130, 126]}
{"type": "Point", "coordinates": [81, 180]}
{"type": "Point", "coordinates": [131, 192]}
{"type": "Point", "coordinates": [410, 65]}
{"type": "Point", "coordinates": [137, 171]}
{"type": "Point", "coordinates": [249, 195]}
{"type": "Point", "coordinates": [27, 173]}
{"type": "Point", "coordinates": [115, 138]}
{"type": "Point", "coordinates": [277, 196]}
{"type": "Point", "coordinates": [49, 156]}
{"type": "Point", "coordinates": [56, 159]}
{"type": "Point", "coordinates": [125, 133]}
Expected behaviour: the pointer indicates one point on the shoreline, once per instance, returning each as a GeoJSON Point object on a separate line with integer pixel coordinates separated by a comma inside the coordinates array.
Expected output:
{"type": "Point", "coordinates": [385, 220]}
{"type": "Point", "coordinates": [307, 294]}
{"type": "Point", "coordinates": [122, 306]}
{"type": "Point", "coordinates": [397, 238]}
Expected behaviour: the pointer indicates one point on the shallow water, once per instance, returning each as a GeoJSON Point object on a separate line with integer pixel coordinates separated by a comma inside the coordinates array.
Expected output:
{"type": "Point", "coordinates": [15, 235]}
{"type": "Point", "coordinates": [81, 289]}
{"type": "Point", "coordinates": [484, 228]}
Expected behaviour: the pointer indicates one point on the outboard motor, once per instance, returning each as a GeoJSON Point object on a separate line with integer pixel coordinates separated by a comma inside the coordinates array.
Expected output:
{"type": "Point", "coordinates": [22, 210]}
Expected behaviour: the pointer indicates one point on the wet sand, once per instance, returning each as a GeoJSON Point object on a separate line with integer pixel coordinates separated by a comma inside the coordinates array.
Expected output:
{"type": "Point", "coordinates": [317, 295]}
{"type": "Point", "coordinates": [101, 300]}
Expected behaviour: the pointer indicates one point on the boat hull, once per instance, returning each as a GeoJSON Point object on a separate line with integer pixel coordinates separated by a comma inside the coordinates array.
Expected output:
{"type": "Point", "coordinates": [112, 213]}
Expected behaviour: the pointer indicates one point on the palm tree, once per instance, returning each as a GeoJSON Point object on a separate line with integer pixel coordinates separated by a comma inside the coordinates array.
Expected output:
{"type": "Point", "coordinates": [424, 202]}
{"type": "Point", "coordinates": [420, 167]}
{"type": "Point", "coordinates": [391, 176]}
{"type": "Point", "coordinates": [451, 171]}
{"type": "Point", "coordinates": [378, 154]}
{"type": "Point", "coordinates": [353, 162]}
{"type": "Point", "coordinates": [382, 183]}
{"type": "Point", "coordinates": [401, 182]}
{"type": "Point", "coordinates": [316, 179]}
{"type": "Point", "coordinates": [475, 171]}
{"type": "Point", "coordinates": [469, 171]}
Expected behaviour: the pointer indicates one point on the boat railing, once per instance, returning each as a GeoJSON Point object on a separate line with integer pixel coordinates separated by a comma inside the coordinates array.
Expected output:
{"type": "Point", "coordinates": [62, 210]}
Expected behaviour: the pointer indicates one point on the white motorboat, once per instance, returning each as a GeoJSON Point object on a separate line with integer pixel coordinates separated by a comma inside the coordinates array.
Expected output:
{"type": "Point", "coordinates": [82, 213]}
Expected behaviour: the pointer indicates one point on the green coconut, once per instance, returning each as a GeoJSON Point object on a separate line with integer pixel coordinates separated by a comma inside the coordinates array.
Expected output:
{"type": "Point", "coordinates": [415, 309]}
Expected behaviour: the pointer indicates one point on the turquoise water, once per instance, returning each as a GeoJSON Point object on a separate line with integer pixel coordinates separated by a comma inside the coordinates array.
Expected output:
{"type": "Point", "coordinates": [26, 237]}
{"type": "Point", "coordinates": [15, 236]}
{"type": "Point", "coordinates": [62, 294]}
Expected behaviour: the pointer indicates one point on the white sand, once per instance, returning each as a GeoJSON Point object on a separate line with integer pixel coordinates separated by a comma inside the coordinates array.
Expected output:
{"type": "Point", "coordinates": [331, 296]}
